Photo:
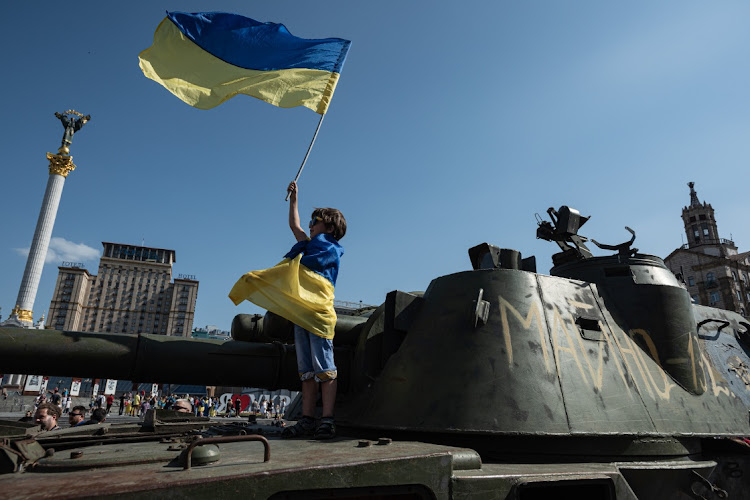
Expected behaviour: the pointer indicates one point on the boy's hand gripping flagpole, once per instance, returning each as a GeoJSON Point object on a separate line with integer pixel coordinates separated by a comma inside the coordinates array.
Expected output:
{"type": "Point", "coordinates": [304, 160]}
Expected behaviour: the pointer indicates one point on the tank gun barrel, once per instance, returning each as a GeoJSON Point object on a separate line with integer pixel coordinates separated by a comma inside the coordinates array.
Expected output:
{"type": "Point", "coordinates": [149, 358]}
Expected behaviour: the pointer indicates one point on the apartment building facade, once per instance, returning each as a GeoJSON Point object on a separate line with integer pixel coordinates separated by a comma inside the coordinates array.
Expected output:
{"type": "Point", "coordinates": [132, 292]}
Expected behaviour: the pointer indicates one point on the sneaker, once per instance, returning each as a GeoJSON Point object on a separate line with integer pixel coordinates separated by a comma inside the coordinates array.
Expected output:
{"type": "Point", "coordinates": [326, 429]}
{"type": "Point", "coordinates": [303, 428]}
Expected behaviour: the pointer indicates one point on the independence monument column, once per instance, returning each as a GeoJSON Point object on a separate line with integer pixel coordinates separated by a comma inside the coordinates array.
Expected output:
{"type": "Point", "coordinates": [60, 165]}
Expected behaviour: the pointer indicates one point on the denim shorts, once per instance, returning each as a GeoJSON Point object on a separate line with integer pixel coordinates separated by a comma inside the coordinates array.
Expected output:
{"type": "Point", "coordinates": [314, 356]}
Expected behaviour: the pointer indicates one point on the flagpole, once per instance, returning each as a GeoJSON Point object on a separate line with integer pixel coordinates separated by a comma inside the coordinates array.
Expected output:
{"type": "Point", "coordinates": [317, 129]}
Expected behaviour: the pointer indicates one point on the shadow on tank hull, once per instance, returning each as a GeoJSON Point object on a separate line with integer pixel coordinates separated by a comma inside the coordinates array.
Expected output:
{"type": "Point", "coordinates": [600, 380]}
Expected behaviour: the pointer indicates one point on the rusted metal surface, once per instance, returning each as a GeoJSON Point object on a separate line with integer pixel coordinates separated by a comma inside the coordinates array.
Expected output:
{"type": "Point", "coordinates": [296, 465]}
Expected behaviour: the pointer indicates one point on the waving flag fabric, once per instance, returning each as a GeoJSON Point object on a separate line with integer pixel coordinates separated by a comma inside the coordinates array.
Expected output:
{"type": "Point", "coordinates": [300, 288]}
{"type": "Point", "coordinates": [209, 57]}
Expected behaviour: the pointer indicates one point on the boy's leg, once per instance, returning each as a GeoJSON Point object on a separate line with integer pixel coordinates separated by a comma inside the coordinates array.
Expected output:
{"type": "Point", "coordinates": [309, 396]}
{"type": "Point", "coordinates": [305, 369]}
{"type": "Point", "coordinates": [326, 374]}
{"type": "Point", "coordinates": [306, 425]}
{"type": "Point", "coordinates": [328, 394]}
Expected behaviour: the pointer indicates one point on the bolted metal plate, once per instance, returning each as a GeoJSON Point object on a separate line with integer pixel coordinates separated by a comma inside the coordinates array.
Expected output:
{"type": "Point", "coordinates": [96, 457]}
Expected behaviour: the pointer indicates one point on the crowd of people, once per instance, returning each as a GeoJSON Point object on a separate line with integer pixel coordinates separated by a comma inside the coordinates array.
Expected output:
{"type": "Point", "coordinates": [50, 407]}
{"type": "Point", "coordinates": [264, 408]}
{"type": "Point", "coordinates": [139, 403]}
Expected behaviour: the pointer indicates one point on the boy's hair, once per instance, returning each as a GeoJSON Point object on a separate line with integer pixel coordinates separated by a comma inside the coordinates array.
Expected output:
{"type": "Point", "coordinates": [332, 218]}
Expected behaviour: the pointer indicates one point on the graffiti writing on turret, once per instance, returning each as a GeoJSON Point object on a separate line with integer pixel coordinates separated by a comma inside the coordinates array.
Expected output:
{"type": "Point", "coordinates": [561, 343]}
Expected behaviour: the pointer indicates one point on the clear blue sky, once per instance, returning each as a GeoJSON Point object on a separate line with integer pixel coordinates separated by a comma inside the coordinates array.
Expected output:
{"type": "Point", "coordinates": [453, 124]}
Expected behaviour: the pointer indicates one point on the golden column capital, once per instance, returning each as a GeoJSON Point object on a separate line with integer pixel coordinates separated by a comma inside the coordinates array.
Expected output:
{"type": "Point", "coordinates": [60, 164]}
{"type": "Point", "coordinates": [23, 314]}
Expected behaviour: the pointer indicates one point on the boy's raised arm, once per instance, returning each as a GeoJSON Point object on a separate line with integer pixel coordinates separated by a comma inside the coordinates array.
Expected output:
{"type": "Point", "coordinates": [294, 223]}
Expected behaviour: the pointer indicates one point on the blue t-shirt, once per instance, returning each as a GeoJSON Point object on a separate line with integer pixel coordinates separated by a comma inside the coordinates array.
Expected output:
{"type": "Point", "coordinates": [321, 255]}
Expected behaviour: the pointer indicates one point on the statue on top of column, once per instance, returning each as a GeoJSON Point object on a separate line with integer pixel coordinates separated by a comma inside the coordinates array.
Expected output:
{"type": "Point", "coordinates": [72, 121]}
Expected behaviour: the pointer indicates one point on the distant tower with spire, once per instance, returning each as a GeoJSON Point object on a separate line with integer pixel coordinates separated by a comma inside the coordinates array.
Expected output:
{"type": "Point", "coordinates": [713, 271]}
{"type": "Point", "coordinates": [699, 220]}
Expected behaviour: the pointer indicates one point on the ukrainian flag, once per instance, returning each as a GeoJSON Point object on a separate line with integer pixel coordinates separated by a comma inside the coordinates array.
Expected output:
{"type": "Point", "coordinates": [209, 57]}
{"type": "Point", "coordinates": [300, 287]}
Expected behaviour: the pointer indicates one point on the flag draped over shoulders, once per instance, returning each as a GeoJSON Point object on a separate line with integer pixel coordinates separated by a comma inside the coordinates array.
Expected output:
{"type": "Point", "coordinates": [300, 288]}
{"type": "Point", "coordinates": [207, 58]}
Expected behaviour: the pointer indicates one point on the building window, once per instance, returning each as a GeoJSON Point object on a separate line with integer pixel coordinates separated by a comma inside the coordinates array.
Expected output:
{"type": "Point", "coordinates": [739, 296]}
{"type": "Point", "coordinates": [710, 279]}
{"type": "Point", "coordinates": [695, 299]}
{"type": "Point", "coordinates": [691, 280]}
{"type": "Point", "coordinates": [714, 298]}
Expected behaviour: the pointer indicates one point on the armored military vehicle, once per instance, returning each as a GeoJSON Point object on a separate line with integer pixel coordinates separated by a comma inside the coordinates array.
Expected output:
{"type": "Point", "coordinates": [600, 380]}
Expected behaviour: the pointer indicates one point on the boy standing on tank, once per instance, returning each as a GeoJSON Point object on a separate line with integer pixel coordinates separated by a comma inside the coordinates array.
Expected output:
{"type": "Point", "coordinates": [315, 352]}
{"type": "Point", "coordinates": [300, 289]}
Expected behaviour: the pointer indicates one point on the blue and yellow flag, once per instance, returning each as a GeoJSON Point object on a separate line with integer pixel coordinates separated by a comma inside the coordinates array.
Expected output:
{"type": "Point", "coordinates": [300, 287]}
{"type": "Point", "coordinates": [209, 57]}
